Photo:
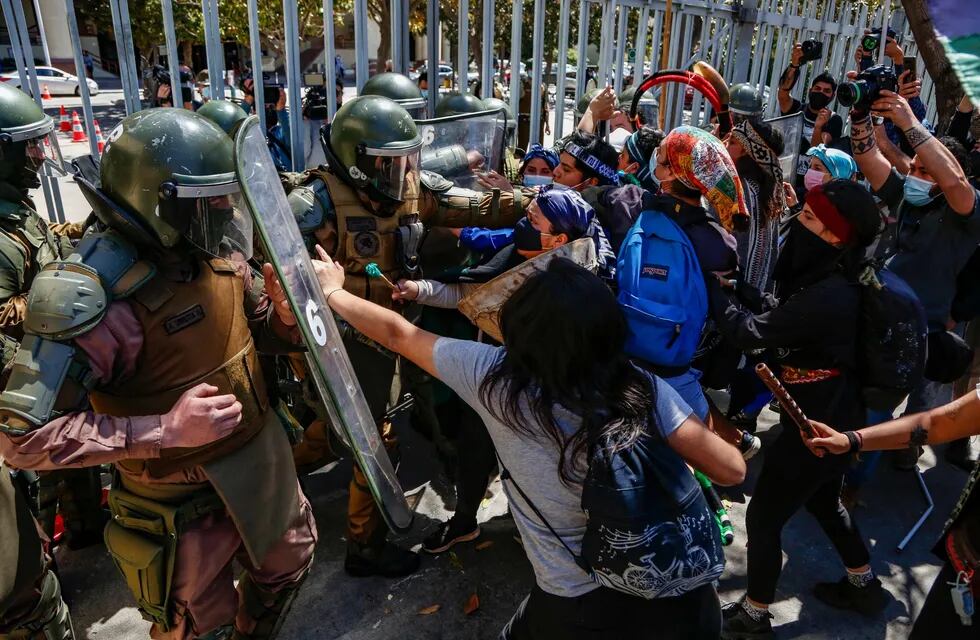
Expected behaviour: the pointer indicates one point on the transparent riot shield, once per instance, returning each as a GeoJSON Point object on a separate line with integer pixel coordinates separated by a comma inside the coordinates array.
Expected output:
{"type": "Point", "coordinates": [327, 360]}
{"type": "Point", "coordinates": [461, 147]}
{"type": "Point", "coordinates": [791, 127]}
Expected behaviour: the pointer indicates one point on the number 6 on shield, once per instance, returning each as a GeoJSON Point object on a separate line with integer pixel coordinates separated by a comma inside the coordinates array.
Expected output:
{"type": "Point", "coordinates": [316, 323]}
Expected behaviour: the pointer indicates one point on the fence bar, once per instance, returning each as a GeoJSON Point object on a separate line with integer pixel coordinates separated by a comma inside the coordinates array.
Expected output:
{"type": "Point", "coordinates": [361, 71]}
{"type": "Point", "coordinates": [406, 55]}
{"type": "Point", "coordinates": [126, 54]}
{"type": "Point", "coordinates": [397, 26]}
{"type": "Point", "coordinates": [76, 49]}
{"type": "Point", "coordinates": [624, 17]}
{"type": "Point", "coordinates": [537, 71]}
{"type": "Point", "coordinates": [584, 14]}
{"type": "Point", "coordinates": [463, 71]}
{"type": "Point", "coordinates": [42, 34]}
{"type": "Point", "coordinates": [255, 44]}
{"type": "Point", "coordinates": [8, 19]}
{"type": "Point", "coordinates": [214, 48]}
{"type": "Point", "coordinates": [329, 54]}
{"type": "Point", "coordinates": [486, 67]}
{"type": "Point", "coordinates": [432, 29]}
{"type": "Point", "coordinates": [515, 57]}
{"type": "Point", "coordinates": [640, 59]}
{"type": "Point", "coordinates": [606, 41]}
{"type": "Point", "coordinates": [291, 24]}
{"type": "Point", "coordinates": [173, 65]}
{"type": "Point", "coordinates": [885, 14]}
{"type": "Point", "coordinates": [561, 76]}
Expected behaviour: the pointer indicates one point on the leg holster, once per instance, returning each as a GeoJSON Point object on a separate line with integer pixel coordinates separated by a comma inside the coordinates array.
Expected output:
{"type": "Point", "coordinates": [50, 619]}
{"type": "Point", "coordinates": [142, 538]}
{"type": "Point", "coordinates": [266, 607]}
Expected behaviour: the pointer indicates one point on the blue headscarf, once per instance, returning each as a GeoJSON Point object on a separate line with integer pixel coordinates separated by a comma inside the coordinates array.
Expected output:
{"type": "Point", "coordinates": [570, 214]}
{"type": "Point", "coordinates": [839, 164]}
{"type": "Point", "coordinates": [538, 152]}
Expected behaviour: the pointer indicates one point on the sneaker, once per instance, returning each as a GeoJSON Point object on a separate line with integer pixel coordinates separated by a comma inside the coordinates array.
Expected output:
{"type": "Point", "coordinates": [739, 625]}
{"type": "Point", "coordinates": [749, 445]}
{"type": "Point", "coordinates": [388, 560]}
{"type": "Point", "coordinates": [448, 534]}
{"type": "Point", "coordinates": [869, 600]}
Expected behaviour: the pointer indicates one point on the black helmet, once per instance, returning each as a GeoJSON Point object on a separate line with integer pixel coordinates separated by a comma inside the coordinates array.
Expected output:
{"type": "Point", "coordinates": [745, 100]}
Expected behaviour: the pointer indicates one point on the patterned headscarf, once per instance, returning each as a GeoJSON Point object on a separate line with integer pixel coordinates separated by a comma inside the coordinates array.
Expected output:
{"type": "Point", "coordinates": [700, 161]}
{"type": "Point", "coordinates": [537, 152]}
{"type": "Point", "coordinates": [839, 164]}
{"type": "Point", "coordinates": [768, 161]}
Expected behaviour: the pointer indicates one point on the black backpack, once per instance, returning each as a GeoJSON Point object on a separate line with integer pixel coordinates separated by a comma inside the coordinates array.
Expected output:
{"type": "Point", "coordinates": [891, 340]}
{"type": "Point", "coordinates": [650, 532]}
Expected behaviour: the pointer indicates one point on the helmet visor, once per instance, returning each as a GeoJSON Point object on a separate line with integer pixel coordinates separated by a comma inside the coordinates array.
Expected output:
{"type": "Point", "coordinates": [42, 151]}
{"type": "Point", "coordinates": [392, 176]}
{"type": "Point", "coordinates": [219, 224]}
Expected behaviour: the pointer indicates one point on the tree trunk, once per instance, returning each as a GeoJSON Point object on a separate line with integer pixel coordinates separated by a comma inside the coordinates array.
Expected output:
{"type": "Point", "coordinates": [384, 26]}
{"type": "Point", "coordinates": [947, 85]}
{"type": "Point", "coordinates": [186, 50]}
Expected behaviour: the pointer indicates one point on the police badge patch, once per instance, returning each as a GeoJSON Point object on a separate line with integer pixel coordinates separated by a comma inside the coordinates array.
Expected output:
{"type": "Point", "coordinates": [183, 319]}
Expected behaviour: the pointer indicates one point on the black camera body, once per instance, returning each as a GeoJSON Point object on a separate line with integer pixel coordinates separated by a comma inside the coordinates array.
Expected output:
{"type": "Point", "coordinates": [270, 94]}
{"type": "Point", "coordinates": [315, 104]}
{"type": "Point", "coordinates": [861, 92]}
{"type": "Point", "coordinates": [812, 50]}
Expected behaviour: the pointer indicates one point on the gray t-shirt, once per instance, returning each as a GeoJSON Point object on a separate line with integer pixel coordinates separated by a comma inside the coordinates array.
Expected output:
{"type": "Point", "coordinates": [934, 244]}
{"type": "Point", "coordinates": [533, 463]}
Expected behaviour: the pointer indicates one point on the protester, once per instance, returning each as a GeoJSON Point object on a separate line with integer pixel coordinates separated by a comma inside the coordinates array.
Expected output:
{"type": "Point", "coordinates": [828, 164]}
{"type": "Point", "coordinates": [584, 160]}
{"type": "Point", "coordinates": [813, 341]}
{"type": "Point", "coordinates": [89, 63]}
{"type": "Point", "coordinates": [561, 381]}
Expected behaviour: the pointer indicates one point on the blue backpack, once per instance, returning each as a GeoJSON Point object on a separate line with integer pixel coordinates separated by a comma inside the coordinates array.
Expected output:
{"type": "Point", "coordinates": [661, 291]}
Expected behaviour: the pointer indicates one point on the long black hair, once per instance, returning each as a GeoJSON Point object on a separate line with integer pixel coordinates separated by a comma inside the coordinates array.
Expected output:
{"type": "Point", "coordinates": [564, 335]}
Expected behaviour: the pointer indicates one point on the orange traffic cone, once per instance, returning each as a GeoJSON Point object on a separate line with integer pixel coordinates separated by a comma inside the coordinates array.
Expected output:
{"type": "Point", "coordinates": [45, 95]}
{"type": "Point", "coordinates": [98, 136]}
{"type": "Point", "coordinates": [77, 134]}
{"type": "Point", "coordinates": [65, 122]}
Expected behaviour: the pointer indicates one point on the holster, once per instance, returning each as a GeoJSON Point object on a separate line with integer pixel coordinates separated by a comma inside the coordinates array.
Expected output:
{"type": "Point", "coordinates": [142, 538]}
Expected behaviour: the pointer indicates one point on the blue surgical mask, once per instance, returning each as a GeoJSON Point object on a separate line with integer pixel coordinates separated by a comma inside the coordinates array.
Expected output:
{"type": "Point", "coordinates": [917, 191]}
{"type": "Point", "coordinates": [537, 181]}
{"type": "Point", "coordinates": [425, 93]}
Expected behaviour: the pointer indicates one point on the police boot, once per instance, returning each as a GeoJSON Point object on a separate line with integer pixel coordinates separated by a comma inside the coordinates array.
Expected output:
{"type": "Point", "coordinates": [267, 609]}
{"type": "Point", "coordinates": [81, 507]}
{"type": "Point", "coordinates": [50, 619]}
{"type": "Point", "coordinates": [379, 559]}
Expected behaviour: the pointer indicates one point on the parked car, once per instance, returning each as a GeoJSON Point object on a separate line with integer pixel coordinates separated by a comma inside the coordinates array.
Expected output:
{"type": "Point", "coordinates": [446, 73]}
{"type": "Point", "coordinates": [57, 81]}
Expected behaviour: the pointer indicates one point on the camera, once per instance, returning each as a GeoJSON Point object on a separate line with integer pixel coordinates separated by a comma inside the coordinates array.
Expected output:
{"type": "Point", "coordinates": [315, 104]}
{"type": "Point", "coordinates": [872, 41]}
{"type": "Point", "coordinates": [865, 89]}
{"type": "Point", "coordinates": [270, 94]}
{"type": "Point", "coordinates": [812, 50]}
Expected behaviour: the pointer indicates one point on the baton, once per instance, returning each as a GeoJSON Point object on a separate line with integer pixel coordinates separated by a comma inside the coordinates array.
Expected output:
{"type": "Point", "coordinates": [789, 405]}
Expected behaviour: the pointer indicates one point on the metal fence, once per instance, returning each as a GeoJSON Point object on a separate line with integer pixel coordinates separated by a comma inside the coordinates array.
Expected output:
{"type": "Point", "coordinates": [747, 41]}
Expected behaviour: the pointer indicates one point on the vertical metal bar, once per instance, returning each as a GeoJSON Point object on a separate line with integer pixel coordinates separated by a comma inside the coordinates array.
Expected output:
{"type": "Point", "coordinates": [329, 53]}
{"type": "Point", "coordinates": [584, 14]}
{"type": "Point", "coordinates": [640, 60]}
{"type": "Point", "coordinates": [173, 66]}
{"type": "Point", "coordinates": [607, 33]}
{"type": "Point", "coordinates": [406, 55]}
{"type": "Point", "coordinates": [564, 18]}
{"type": "Point", "coordinates": [656, 41]}
{"type": "Point", "coordinates": [43, 35]}
{"type": "Point", "coordinates": [215, 51]}
{"type": "Point", "coordinates": [76, 47]}
{"type": "Point", "coordinates": [676, 32]}
{"type": "Point", "coordinates": [463, 72]}
{"type": "Point", "coordinates": [126, 54]}
{"type": "Point", "coordinates": [432, 29]}
{"type": "Point", "coordinates": [255, 44]}
{"type": "Point", "coordinates": [291, 24]}
{"type": "Point", "coordinates": [9, 20]}
{"type": "Point", "coordinates": [398, 30]}
{"type": "Point", "coordinates": [688, 37]}
{"type": "Point", "coordinates": [515, 56]}
{"type": "Point", "coordinates": [621, 45]}
{"type": "Point", "coordinates": [537, 57]}
{"type": "Point", "coordinates": [886, 9]}
{"type": "Point", "coordinates": [361, 70]}
{"type": "Point", "coordinates": [486, 68]}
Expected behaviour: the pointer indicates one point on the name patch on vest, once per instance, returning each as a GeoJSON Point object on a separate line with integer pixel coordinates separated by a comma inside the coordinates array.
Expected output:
{"type": "Point", "coordinates": [655, 271]}
{"type": "Point", "coordinates": [356, 224]}
{"type": "Point", "coordinates": [184, 319]}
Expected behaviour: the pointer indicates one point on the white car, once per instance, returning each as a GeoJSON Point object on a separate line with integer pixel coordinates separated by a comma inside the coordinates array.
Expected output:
{"type": "Point", "coordinates": [57, 81]}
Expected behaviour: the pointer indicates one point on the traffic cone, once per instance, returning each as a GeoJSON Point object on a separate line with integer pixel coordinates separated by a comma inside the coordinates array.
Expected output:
{"type": "Point", "coordinates": [45, 95]}
{"type": "Point", "coordinates": [65, 122]}
{"type": "Point", "coordinates": [77, 134]}
{"type": "Point", "coordinates": [98, 136]}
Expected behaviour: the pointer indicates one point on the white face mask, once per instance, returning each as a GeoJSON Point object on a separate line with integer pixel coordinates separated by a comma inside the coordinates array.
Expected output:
{"type": "Point", "coordinates": [538, 181]}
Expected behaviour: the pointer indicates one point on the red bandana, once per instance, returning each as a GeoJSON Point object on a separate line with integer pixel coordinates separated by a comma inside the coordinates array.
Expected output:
{"type": "Point", "coordinates": [828, 214]}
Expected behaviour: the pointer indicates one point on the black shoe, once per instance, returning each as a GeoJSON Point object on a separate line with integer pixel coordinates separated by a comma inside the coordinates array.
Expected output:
{"type": "Point", "coordinates": [744, 421]}
{"type": "Point", "coordinates": [739, 625]}
{"type": "Point", "coordinates": [387, 560]}
{"type": "Point", "coordinates": [959, 453]}
{"type": "Point", "coordinates": [448, 534]}
{"type": "Point", "coordinates": [869, 600]}
{"type": "Point", "coordinates": [749, 445]}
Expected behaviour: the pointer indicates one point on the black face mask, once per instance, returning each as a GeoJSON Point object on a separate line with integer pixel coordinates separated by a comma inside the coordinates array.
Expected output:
{"type": "Point", "coordinates": [818, 100]}
{"type": "Point", "coordinates": [804, 258]}
{"type": "Point", "coordinates": [526, 237]}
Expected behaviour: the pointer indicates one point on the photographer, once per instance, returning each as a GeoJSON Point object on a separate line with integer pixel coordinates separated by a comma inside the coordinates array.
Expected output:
{"type": "Point", "coordinates": [938, 226]}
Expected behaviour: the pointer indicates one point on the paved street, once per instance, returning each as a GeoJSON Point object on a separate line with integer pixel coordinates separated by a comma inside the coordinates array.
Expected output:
{"type": "Point", "coordinates": [333, 605]}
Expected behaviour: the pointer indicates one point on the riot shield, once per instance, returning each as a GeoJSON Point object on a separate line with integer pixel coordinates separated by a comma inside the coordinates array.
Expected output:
{"type": "Point", "coordinates": [461, 147]}
{"type": "Point", "coordinates": [791, 127]}
{"type": "Point", "coordinates": [327, 360]}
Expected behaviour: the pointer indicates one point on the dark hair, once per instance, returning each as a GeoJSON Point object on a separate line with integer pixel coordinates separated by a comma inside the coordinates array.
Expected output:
{"type": "Point", "coordinates": [560, 351]}
{"type": "Point", "coordinates": [595, 146]}
{"type": "Point", "coordinates": [959, 152]}
{"type": "Point", "coordinates": [750, 169]}
{"type": "Point", "coordinates": [647, 140]}
{"type": "Point", "coordinates": [827, 78]}
{"type": "Point", "coordinates": [857, 205]}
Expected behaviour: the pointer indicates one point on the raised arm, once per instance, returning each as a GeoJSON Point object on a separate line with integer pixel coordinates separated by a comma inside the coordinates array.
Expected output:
{"type": "Point", "coordinates": [788, 79]}
{"type": "Point", "coordinates": [864, 145]}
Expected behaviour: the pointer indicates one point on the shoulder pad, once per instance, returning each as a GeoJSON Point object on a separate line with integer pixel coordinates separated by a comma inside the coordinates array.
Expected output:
{"type": "Point", "coordinates": [66, 300]}
{"type": "Point", "coordinates": [435, 182]}
{"type": "Point", "coordinates": [116, 262]}
{"type": "Point", "coordinates": [11, 211]}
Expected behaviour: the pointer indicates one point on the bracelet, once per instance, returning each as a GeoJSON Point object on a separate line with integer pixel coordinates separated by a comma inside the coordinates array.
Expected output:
{"type": "Point", "coordinates": [854, 439]}
{"type": "Point", "coordinates": [331, 293]}
{"type": "Point", "coordinates": [917, 135]}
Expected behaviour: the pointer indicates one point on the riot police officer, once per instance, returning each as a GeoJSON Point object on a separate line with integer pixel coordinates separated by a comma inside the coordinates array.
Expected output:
{"type": "Point", "coordinates": [224, 113]}
{"type": "Point", "coordinates": [454, 104]}
{"type": "Point", "coordinates": [745, 102]}
{"type": "Point", "coordinates": [149, 329]}
{"type": "Point", "coordinates": [399, 88]}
